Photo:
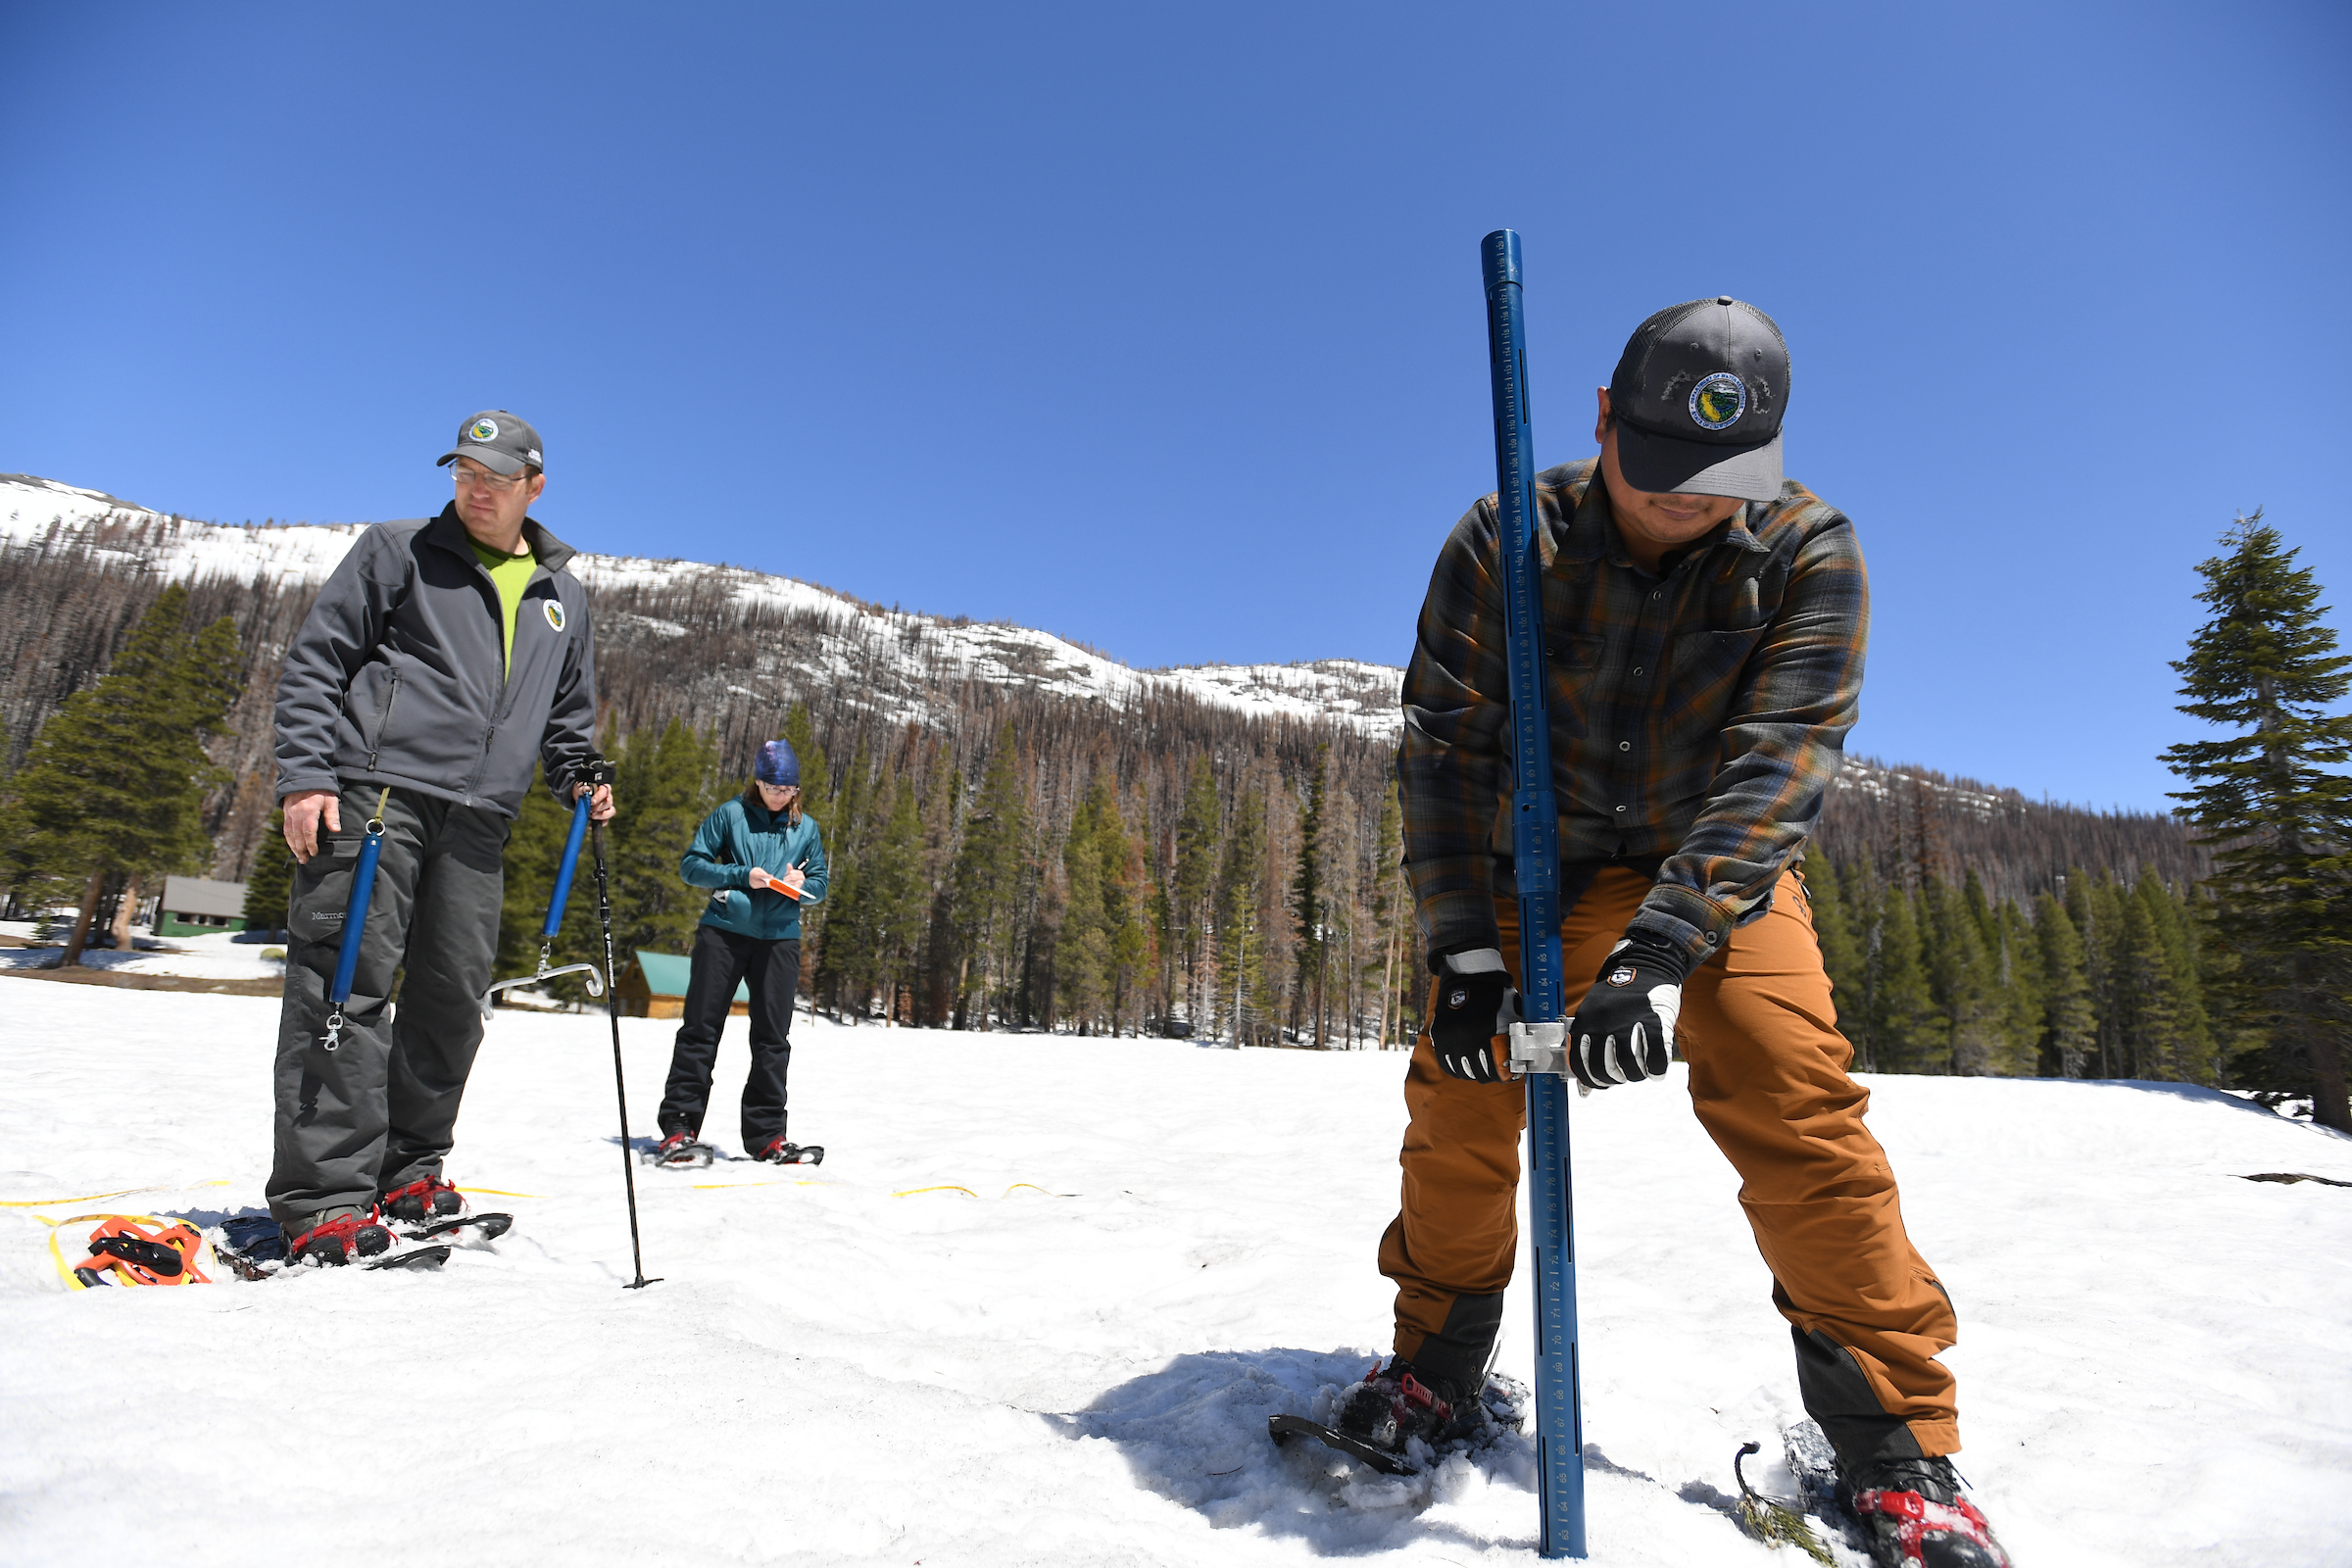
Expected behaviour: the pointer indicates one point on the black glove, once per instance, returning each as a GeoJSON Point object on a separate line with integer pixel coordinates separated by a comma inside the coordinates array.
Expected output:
{"type": "Point", "coordinates": [1623, 1032]}
{"type": "Point", "coordinates": [1471, 1003]}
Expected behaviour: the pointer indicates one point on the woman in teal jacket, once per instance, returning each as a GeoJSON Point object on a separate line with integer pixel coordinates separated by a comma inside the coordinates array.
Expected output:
{"type": "Point", "coordinates": [764, 862]}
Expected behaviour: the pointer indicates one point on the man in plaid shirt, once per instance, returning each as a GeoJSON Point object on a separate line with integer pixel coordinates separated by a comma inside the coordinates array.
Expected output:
{"type": "Point", "coordinates": [1704, 621]}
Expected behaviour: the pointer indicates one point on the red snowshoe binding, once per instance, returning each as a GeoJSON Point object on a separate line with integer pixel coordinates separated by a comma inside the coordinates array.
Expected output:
{"type": "Point", "coordinates": [422, 1202]}
{"type": "Point", "coordinates": [1391, 1406]}
{"type": "Point", "coordinates": [1915, 1517]}
{"type": "Point", "coordinates": [354, 1234]}
{"type": "Point", "coordinates": [680, 1151]}
{"type": "Point", "coordinates": [779, 1151]}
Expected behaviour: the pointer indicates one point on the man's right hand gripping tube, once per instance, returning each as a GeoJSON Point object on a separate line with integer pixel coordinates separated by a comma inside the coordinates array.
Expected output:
{"type": "Point", "coordinates": [1472, 1008]}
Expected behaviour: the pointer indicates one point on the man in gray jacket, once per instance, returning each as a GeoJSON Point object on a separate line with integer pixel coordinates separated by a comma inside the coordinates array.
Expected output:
{"type": "Point", "coordinates": [443, 658]}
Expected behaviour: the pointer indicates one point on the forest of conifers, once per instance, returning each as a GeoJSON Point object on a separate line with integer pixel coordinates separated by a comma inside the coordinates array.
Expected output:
{"type": "Point", "coordinates": [1006, 858]}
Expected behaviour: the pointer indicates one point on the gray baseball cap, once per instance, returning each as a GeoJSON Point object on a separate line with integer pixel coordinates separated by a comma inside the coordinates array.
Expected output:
{"type": "Point", "coordinates": [1699, 395]}
{"type": "Point", "coordinates": [497, 440]}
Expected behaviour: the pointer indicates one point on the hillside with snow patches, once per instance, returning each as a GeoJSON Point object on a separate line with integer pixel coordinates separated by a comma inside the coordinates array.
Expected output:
{"type": "Point", "coordinates": [36, 511]}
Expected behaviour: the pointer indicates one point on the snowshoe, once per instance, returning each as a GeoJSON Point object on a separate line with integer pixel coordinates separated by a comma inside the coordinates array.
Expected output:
{"type": "Point", "coordinates": [463, 1227]}
{"type": "Point", "coordinates": [255, 1249]}
{"type": "Point", "coordinates": [681, 1150]}
{"type": "Point", "coordinates": [1380, 1418]}
{"type": "Point", "coordinates": [352, 1233]}
{"type": "Point", "coordinates": [123, 1251]}
{"type": "Point", "coordinates": [421, 1201]}
{"type": "Point", "coordinates": [779, 1151]}
{"type": "Point", "coordinates": [1915, 1517]}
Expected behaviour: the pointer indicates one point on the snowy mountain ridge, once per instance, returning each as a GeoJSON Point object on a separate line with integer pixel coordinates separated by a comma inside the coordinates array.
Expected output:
{"type": "Point", "coordinates": [38, 514]}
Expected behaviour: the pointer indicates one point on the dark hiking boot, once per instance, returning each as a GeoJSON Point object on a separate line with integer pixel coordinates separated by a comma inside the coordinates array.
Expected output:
{"type": "Point", "coordinates": [1393, 1406]}
{"type": "Point", "coordinates": [1914, 1516]}
{"type": "Point", "coordinates": [422, 1202]}
{"type": "Point", "coordinates": [781, 1152]}
{"type": "Point", "coordinates": [351, 1233]}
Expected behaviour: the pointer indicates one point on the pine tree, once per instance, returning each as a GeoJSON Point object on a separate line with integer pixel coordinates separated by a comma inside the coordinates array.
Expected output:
{"type": "Point", "coordinates": [1193, 890]}
{"type": "Point", "coordinates": [987, 887]}
{"type": "Point", "coordinates": [116, 781]}
{"type": "Point", "coordinates": [2069, 1031]}
{"type": "Point", "coordinates": [2274, 800]}
{"type": "Point", "coordinates": [669, 784]}
{"type": "Point", "coordinates": [896, 894]}
{"type": "Point", "coordinates": [269, 885]}
{"type": "Point", "coordinates": [1841, 951]}
{"type": "Point", "coordinates": [1308, 903]}
{"type": "Point", "coordinates": [1391, 915]}
{"type": "Point", "coordinates": [1082, 965]}
{"type": "Point", "coordinates": [1963, 979]}
{"type": "Point", "coordinates": [1241, 937]}
{"type": "Point", "coordinates": [2020, 985]}
{"type": "Point", "coordinates": [1908, 1031]}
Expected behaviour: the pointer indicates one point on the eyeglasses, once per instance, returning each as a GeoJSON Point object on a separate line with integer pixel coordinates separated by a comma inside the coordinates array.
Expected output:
{"type": "Point", "coordinates": [491, 481]}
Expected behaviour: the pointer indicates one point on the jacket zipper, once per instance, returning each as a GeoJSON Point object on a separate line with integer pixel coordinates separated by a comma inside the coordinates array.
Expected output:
{"type": "Point", "coordinates": [383, 725]}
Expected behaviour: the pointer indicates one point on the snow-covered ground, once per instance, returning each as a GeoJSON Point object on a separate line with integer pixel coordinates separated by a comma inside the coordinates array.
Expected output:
{"type": "Point", "coordinates": [220, 956]}
{"type": "Point", "coordinates": [1040, 1299]}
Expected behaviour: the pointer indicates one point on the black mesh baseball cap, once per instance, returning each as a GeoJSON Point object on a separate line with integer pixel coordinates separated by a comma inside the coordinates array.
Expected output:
{"type": "Point", "coordinates": [498, 441]}
{"type": "Point", "coordinates": [1698, 395]}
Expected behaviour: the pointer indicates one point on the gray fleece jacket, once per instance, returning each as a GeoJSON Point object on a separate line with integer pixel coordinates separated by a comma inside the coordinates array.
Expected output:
{"type": "Point", "coordinates": [395, 677]}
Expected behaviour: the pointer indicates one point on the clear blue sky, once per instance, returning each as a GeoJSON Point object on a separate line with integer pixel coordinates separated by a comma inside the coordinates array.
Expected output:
{"type": "Point", "coordinates": [1160, 327]}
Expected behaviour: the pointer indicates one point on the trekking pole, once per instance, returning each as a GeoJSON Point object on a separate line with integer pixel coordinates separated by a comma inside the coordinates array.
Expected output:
{"type": "Point", "coordinates": [600, 771]}
{"type": "Point", "coordinates": [564, 868]}
{"type": "Point", "coordinates": [355, 920]}
{"type": "Point", "coordinates": [1539, 1048]}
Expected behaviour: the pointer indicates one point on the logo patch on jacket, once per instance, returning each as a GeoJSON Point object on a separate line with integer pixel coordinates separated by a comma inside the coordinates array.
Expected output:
{"type": "Point", "coordinates": [1718, 401]}
{"type": "Point", "coordinates": [555, 612]}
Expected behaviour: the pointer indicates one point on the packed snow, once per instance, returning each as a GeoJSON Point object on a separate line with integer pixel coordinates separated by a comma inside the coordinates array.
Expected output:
{"type": "Point", "coordinates": [1040, 1299]}
{"type": "Point", "coordinates": [39, 512]}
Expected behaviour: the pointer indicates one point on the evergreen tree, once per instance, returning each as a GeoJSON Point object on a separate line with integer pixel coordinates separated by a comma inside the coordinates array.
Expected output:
{"type": "Point", "coordinates": [895, 894]}
{"type": "Point", "coordinates": [2020, 987]}
{"type": "Point", "coordinates": [1841, 951]}
{"type": "Point", "coordinates": [116, 781]}
{"type": "Point", "coordinates": [2069, 1031]}
{"type": "Point", "coordinates": [1908, 1031]}
{"type": "Point", "coordinates": [1963, 979]}
{"type": "Point", "coordinates": [1392, 917]}
{"type": "Point", "coordinates": [1308, 903]}
{"type": "Point", "coordinates": [986, 887]}
{"type": "Point", "coordinates": [1193, 890]}
{"type": "Point", "coordinates": [1083, 951]}
{"type": "Point", "coordinates": [1241, 937]}
{"type": "Point", "coordinates": [2274, 800]}
{"type": "Point", "coordinates": [269, 885]}
{"type": "Point", "coordinates": [668, 784]}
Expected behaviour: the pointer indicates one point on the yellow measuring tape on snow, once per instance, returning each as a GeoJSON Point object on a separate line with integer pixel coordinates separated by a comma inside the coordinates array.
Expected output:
{"type": "Point", "coordinates": [92, 1198]}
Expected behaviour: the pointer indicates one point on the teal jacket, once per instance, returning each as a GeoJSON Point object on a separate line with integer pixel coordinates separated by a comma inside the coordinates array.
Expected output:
{"type": "Point", "coordinates": [738, 836]}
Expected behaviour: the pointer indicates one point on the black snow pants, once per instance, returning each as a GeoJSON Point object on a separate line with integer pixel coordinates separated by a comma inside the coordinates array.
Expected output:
{"type": "Point", "coordinates": [380, 1110]}
{"type": "Point", "coordinates": [722, 961]}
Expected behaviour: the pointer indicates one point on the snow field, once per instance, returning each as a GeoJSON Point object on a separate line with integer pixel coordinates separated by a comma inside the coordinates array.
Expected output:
{"type": "Point", "coordinates": [218, 956]}
{"type": "Point", "coordinates": [830, 1372]}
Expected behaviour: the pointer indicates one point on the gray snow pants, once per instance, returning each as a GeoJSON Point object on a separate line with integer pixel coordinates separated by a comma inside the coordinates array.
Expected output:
{"type": "Point", "coordinates": [382, 1109]}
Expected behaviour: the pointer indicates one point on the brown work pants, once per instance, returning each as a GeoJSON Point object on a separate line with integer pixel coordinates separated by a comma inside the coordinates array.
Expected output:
{"type": "Point", "coordinates": [1768, 1079]}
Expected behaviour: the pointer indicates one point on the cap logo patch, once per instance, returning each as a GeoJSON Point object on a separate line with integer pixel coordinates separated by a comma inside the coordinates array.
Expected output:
{"type": "Point", "coordinates": [1621, 976]}
{"type": "Point", "coordinates": [554, 612]}
{"type": "Point", "coordinates": [1717, 401]}
{"type": "Point", "coordinates": [483, 431]}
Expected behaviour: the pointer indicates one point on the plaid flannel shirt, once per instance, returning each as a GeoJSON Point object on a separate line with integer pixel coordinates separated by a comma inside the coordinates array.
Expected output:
{"type": "Point", "coordinates": [1697, 716]}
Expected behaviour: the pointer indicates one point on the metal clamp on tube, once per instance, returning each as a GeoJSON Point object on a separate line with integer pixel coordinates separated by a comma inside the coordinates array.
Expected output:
{"type": "Point", "coordinates": [1540, 1048]}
